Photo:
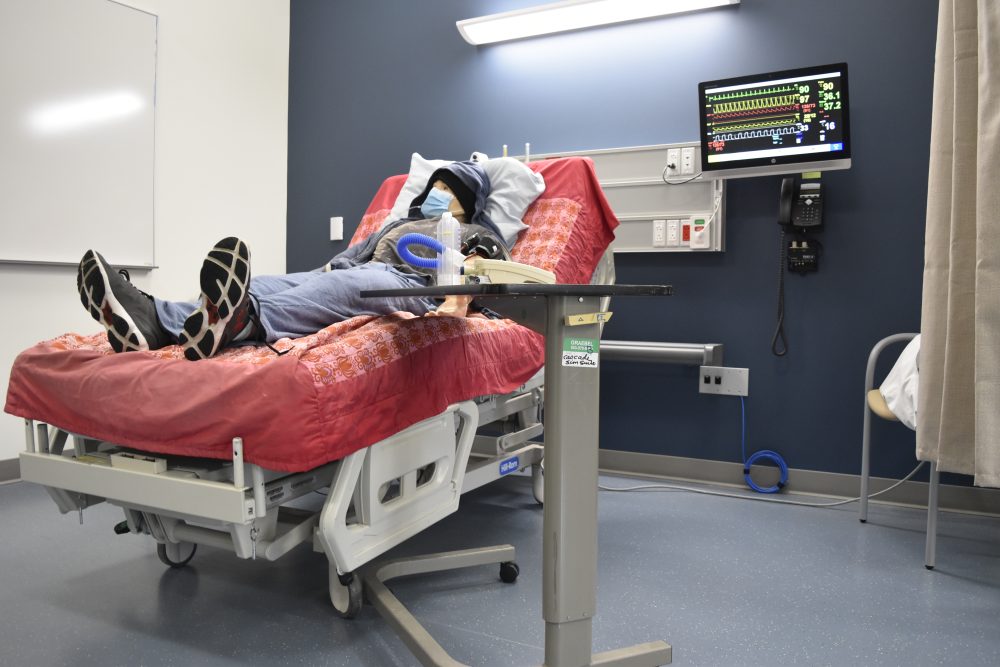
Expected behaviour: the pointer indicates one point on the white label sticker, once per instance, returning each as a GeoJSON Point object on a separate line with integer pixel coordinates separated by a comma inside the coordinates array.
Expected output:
{"type": "Point", "coordinates": [580, 352]}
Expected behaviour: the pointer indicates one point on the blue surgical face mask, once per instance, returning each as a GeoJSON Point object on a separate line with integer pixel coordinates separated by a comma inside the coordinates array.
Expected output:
{"type": "Point", "coordinates": [436, 204]}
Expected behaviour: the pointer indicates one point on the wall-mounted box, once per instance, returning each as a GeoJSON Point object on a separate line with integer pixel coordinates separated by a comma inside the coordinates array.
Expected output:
{"type": "Point", "coordinates": [633, 181]}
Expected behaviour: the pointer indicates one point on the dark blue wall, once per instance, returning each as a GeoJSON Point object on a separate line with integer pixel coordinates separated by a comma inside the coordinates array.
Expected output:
{"type": "Point", "coordinates": [371, 82]}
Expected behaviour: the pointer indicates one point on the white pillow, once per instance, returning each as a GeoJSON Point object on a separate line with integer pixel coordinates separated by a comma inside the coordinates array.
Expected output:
{"type": "Point", "coordinates": [513, 188]}
{"type": "Point", "coordinates": [420, 171]}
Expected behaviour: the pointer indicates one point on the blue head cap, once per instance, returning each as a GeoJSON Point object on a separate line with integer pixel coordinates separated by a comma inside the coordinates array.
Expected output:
{"type": "Point", "coordinates": [471, 186]}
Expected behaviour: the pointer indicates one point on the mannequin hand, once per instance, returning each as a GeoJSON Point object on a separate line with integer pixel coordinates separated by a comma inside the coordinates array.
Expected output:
{"type": "Point", "coordinates": [453, 306]}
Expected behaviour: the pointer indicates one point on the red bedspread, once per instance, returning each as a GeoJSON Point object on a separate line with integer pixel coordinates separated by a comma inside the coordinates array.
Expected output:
{"type": "Point", "coordinates": [345, 387]}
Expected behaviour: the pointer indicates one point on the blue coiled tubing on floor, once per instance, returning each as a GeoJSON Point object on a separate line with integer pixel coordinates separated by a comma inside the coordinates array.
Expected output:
{"type": "Point", "coordinates": [764, 454]}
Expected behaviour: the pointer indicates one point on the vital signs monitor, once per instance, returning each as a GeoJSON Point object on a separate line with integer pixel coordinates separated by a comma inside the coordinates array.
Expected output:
{"type": "Point", "coordinates": [775, 123]}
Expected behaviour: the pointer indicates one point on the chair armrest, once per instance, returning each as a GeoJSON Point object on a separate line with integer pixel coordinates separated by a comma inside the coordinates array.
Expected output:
{"type": "Point", "coordinates": [877, 350]}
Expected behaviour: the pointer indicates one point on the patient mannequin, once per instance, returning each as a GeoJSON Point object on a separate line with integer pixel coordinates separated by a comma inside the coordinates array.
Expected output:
{"type": "Point", "coordinates": [235, 308]}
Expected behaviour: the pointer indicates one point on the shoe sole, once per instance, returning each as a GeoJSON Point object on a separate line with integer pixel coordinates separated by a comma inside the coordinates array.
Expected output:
{"type": "Point", "coordinates": [225, 277]}
{"type": "Point", "coordinates": [94, 286]}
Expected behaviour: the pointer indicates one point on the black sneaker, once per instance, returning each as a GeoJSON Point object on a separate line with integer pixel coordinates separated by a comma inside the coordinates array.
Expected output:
{"type": "Point", "coordinates": [127, 313]}
{"type": "Point", "coordinates": [225, 301]}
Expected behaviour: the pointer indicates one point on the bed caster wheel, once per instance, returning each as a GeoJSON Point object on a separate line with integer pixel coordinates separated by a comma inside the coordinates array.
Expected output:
{"type": "Point", "coordinates": [346, 593]}
{"type": "Point", "coordinates": [121, 528]}
{"type": "Point", "coordinates": [509, 571]}
{"type": "Point", "coordinates": [538, 482]}
{"type": "Point", "coordinates": [176, 554]}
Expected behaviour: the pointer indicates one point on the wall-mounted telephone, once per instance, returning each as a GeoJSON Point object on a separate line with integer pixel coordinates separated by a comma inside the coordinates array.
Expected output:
{"type": "Point", "coordinates": [801, 206]}
{"type": "Point", "coordinates": [800, 212]}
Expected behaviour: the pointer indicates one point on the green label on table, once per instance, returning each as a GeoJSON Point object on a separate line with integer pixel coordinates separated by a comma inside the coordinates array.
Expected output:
{"type": "Point", "coordinates": [580, 352]}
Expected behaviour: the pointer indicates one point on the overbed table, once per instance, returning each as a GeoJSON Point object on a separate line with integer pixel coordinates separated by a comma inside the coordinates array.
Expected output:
{"type": "Point", "coordinates": [568, 316]}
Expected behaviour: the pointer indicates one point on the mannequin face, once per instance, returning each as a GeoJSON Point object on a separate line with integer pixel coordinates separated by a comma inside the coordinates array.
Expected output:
{"type": "Point", "coordinates": [455, 208]}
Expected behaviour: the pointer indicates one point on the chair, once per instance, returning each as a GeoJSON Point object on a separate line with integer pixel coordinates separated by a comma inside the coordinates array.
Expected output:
{"type": "Point", "coordinates": [875, 403]}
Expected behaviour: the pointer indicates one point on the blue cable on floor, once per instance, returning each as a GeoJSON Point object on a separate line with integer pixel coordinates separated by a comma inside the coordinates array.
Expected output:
{"type": "Point", "coordinates": [757, 456]}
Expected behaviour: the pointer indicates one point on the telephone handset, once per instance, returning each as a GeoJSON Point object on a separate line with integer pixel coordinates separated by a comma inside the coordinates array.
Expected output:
{"type": "Point", "coordinates": [801, 207]}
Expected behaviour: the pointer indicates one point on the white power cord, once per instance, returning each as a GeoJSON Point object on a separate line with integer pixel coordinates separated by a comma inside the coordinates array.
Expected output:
{"type": "Point", "coordinates": [767, 499]}
{"type": "Point", "coordinates": [718, 187]}
{"type": "Point", "coordinates": [671, 165]}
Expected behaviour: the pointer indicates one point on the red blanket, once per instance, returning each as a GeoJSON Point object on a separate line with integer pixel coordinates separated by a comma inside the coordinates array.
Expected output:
{"type": "Point", "coordinates": [343, 388]}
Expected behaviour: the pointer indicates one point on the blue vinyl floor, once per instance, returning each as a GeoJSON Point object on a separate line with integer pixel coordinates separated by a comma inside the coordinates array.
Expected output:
{"type": "Point", "coordinates": [725, 582]}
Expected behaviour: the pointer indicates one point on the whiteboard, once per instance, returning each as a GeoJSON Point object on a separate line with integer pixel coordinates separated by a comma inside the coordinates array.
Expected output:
{"type": "Point", "coordinates": [77, 92]}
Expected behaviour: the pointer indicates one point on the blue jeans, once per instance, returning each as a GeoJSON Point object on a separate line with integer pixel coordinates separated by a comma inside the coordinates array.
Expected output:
{"type": "Point", "coordinates": [299, 304]}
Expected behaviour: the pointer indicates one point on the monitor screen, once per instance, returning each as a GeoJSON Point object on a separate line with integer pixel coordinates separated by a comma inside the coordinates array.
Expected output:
{"type": "Point", "coordinates": [775, 123]}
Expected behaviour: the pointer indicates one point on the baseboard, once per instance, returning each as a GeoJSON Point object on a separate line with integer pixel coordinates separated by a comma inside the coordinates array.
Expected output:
{"type": "Point", "coordinates": [955, 498]}
{"type": "Point", "coordinates": [10, 470]}
{"type": "Point", "coordinates": [951, 497]}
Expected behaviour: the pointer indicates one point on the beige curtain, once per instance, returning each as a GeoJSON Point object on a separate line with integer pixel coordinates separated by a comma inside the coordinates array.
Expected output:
{"type": "Point", "coordinates": [958, 413]}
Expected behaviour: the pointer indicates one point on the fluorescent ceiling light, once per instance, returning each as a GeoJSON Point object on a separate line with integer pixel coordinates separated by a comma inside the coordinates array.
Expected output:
{"type": "Point", "coordinates": [572, 15]}
{"type": "Point", "coordinates": [82, 112]}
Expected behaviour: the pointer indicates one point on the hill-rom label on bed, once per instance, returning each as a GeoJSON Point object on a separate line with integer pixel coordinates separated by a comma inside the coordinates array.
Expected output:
{"type": "Point", "coordinates": [508, 466]}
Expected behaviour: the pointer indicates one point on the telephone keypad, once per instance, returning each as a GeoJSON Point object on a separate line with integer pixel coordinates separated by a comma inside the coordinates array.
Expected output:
{"type": "Point", "coordinates": [808, 212]}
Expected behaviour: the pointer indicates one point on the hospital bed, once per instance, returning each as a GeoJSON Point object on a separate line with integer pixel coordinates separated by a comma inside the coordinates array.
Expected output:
{"type": "Point", "coordinates": [382, 413]}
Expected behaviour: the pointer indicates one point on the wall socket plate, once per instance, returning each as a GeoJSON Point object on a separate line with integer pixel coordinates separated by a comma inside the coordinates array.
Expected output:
{"type": "Point", "coordinates": [337, 228]}
{"type": "Point", "coordinates": [724, 380]}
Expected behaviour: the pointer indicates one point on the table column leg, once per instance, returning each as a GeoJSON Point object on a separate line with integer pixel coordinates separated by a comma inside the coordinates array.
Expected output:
{"type": "Point", "coordinates": [569, 544]}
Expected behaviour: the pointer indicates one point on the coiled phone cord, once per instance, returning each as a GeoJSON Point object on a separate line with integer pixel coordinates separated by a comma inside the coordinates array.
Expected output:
{"type": "Point", "coordinates": [779, 332]}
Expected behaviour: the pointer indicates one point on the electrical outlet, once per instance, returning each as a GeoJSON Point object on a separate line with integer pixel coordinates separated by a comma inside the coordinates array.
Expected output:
{"type": "Point", "coordinates": [673, 158]}
{"type": "Point", "coordinates": [659, 233]}
{"type": "Point", "coordinates": [687, 160]}
{"type": "Point", "coordinates": [724, 380]}
{"type": "Point", "coordinates": [673, 233]}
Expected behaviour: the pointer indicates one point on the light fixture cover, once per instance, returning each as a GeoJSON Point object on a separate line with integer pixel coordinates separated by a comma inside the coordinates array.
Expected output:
{"type": "Point", "coordinates": [572, 15]}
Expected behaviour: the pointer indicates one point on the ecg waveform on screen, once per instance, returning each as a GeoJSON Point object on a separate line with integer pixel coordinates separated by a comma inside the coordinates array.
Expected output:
{"type": "Point", "coordinates": [756, 113]}
{"type": "Point", "coordinates": [741, 114]}
{"type": "Point", "coordinates": [763, 121]}
{"type": "Point", "coordinates": [751, 93]}
{"type": "Point", "coordinates": [754, 134]}
{"type": "Point", "coordinates": [773, 116]}
{"type": "Point", "coordinates": [752, 106]}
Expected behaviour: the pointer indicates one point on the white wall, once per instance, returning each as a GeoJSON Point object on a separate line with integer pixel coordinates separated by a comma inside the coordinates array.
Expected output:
{"type": "Point", "coordinates": [221, 167]}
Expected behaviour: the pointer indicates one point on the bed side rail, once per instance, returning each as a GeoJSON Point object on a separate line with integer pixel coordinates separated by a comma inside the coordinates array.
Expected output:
{"type": "Point", "coordinates": [403, 484]}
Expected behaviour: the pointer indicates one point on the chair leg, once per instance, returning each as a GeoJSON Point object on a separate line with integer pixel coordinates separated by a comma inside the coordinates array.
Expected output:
{"type": "Point", "coordinates": [869, 385]}
{"type": "Point", "coordinates": [932, 515]}
{"type": "Point", "coordinates": [865, 465]}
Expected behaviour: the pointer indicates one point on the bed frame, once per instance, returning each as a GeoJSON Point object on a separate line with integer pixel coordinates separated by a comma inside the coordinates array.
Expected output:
{"type": "Point", "coordinates": [377, 497]}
